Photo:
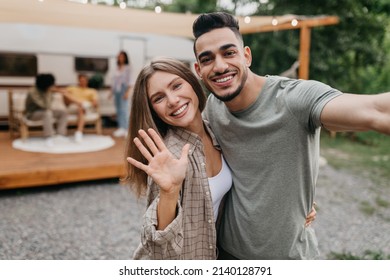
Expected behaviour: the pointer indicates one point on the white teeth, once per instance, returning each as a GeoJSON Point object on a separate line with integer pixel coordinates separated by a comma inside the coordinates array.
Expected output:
{"type": "Point", "coordinates": [180, 110]}
{"type": "Point", "coordinates": [224, 79]}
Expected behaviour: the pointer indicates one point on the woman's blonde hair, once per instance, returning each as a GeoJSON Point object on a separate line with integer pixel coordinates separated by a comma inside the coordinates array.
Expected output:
{"type": "Point", "coordinates": [142, 115]}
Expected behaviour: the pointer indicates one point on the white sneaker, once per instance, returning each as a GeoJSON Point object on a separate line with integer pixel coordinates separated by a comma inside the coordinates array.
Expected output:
{"type": "Point", "coordinates": [120, 132]}
{"type": "Point", "coordinates": [78, 137]}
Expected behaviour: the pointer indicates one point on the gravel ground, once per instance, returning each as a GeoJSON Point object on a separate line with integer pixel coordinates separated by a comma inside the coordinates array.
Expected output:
{"type": "Point", "coordinates": [353, 214]}
{"type": "Point", "coordinates": [93, 220]}
{"type": "Point", "coordinates": [101, 219]}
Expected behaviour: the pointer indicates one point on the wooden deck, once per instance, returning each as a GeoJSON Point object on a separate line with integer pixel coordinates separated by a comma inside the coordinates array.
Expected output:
{"type": "Point", "coordinates": [19, 169]}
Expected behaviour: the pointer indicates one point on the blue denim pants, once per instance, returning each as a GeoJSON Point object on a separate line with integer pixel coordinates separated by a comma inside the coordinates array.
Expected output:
{"type": "Point", "coordinates": [122, 108]}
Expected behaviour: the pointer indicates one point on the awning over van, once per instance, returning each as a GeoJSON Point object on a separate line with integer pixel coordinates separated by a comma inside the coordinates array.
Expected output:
{"type": "Point", "coordinates": [66, 13]}
{"type": "Point", "coordinates": [61, 12]}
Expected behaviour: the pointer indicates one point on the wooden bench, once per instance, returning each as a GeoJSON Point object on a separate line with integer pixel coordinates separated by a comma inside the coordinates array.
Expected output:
{"type": "Point", "coordinates": [20, 125]}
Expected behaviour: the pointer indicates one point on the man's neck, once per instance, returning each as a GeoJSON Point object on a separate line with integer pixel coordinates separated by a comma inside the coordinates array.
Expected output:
{"type": "Point", "coordinates": [249, 93]}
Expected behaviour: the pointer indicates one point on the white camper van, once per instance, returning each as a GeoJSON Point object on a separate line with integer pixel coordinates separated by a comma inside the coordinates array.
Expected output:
{"type": "Point", "coordinates": [29, 49]}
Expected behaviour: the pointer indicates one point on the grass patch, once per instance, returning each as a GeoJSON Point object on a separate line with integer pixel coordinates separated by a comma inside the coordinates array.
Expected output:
{"type": "Point", "coordinates": [367, 208]}
{"type": "Point", "coordinates": [367, 255]}
{"type": "Point", "coordinates": [382, 203]}
{"type": "Point", "coordinates": [366, 153]}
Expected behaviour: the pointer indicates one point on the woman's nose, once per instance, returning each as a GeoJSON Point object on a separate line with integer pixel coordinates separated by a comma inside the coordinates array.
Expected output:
{"type": "Point", "coordinates": [172, 99]}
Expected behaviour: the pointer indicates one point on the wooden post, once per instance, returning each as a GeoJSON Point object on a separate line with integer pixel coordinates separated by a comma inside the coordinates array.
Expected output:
{"type": "Point", "coordinates": [304, 52]}
{"type": "Point", "coordinates": [305, 25]}
{"type": "Point", "coordinates": [11, 117]}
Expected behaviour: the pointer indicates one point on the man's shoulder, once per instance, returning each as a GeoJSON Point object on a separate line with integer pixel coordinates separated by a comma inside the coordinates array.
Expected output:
{"type": "Point", "coordinates": [91, 91]}
{"type": "Point", "coordinates": [72, 88]}
{"type": "Point", "coordinates": [81, 90]}
{"type": "Point", "coordinates": [289, 85]}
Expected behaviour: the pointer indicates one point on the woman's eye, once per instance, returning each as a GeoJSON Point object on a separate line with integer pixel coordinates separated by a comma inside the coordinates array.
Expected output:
{"type": "Point", "coordinates": [157, 99]}
{"type": "Point", "coordinates": [177, 86]}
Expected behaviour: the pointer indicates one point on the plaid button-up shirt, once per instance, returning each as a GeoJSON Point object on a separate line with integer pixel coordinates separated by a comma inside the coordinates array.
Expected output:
{"type": "Point", "coordinates": [192, 234]}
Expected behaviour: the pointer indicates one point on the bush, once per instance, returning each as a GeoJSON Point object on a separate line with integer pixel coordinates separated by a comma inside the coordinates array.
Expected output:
{"type": "Point", "coordinates": [96, 81]}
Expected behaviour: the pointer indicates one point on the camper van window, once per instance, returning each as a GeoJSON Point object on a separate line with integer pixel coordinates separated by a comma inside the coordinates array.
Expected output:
{"type": "Point", "coordinates": [18, 65]}
{"type": "Point", "coordinates": [89, 64]}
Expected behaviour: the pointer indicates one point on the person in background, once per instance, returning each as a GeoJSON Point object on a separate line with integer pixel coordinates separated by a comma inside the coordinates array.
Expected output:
{"type": "Point", "coordinates": [80, 99]}
{"type": "Point", "coordinates": [268, 128]}
{"type": "Point", "coordinates": [174, 158]}
{"type": "Point", "coordinates": [121, 88]}
{"type": "Point", "coordinates": [39, 107]}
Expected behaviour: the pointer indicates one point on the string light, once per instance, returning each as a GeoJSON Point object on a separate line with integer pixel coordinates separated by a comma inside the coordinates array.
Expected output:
{"type": "Point", "coordinates": [247, 19]}
{"type": "Point", "coordinates": [78, 1]}
{"type": "Point", "coordinates": [294, 22]}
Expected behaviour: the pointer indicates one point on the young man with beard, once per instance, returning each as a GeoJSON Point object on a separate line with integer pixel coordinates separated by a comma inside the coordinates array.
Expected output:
{"type": "Point", "coordinates": [268, 128]}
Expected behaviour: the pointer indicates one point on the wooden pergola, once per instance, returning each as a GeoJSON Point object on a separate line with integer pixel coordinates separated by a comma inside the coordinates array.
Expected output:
{"type": "Point", "coordinates": [66, 13]}
{"type": "Point", "coordinates": [305, 24]}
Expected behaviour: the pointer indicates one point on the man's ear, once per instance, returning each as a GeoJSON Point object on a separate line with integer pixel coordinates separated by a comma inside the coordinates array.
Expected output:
{"type": "Point", "coordinates": [248, 56]}
{"type": "Point", "coordinates": [197, 70]}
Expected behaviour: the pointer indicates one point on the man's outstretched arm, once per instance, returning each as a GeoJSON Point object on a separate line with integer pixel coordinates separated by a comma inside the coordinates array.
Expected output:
{"type": "Point", "coordinates": [358, 112]}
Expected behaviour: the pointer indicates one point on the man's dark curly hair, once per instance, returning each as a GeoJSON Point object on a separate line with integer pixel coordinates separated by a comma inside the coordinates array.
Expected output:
{"type": "Point", "coordinates": [207, 22]}
{"type": "Point", "coordinates": [44, 81]}
{"type": "Point", "coordinates": [210, 21]}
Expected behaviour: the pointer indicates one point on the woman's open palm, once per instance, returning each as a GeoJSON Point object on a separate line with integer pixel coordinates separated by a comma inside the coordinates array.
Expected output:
{"type": "Point", "coordinates": [167, 171]}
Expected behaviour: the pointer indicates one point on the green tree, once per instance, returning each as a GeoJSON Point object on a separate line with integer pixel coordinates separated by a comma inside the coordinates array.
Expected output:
{"type": "Point", "coordinates": [352, 56]}
{"type": "Point", "coordinates": [346, 56]}
{"type": "Point", "coordinates": [192, 6]}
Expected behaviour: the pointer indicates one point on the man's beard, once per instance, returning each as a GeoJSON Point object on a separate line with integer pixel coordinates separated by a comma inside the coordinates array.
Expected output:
{"type": "Point", "coordinates": [232, 95]}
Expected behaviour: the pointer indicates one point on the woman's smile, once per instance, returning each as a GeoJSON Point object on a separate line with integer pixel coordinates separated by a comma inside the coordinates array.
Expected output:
{"type": "Point", "coordinates": [180, 110]}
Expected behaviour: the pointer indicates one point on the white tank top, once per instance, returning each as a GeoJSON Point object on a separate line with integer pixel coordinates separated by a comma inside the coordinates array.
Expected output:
{"type": "Point", "coordinates": [220, 184]}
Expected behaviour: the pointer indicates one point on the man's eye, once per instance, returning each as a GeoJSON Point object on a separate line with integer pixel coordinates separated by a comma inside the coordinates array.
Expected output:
{"type": "Point", "coordinates": [230, 53]}
{"type": "Point", "coordinates": [205, 60]}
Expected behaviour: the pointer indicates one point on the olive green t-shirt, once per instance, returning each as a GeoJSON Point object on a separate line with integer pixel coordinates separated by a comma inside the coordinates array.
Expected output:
{"type": "Point", "coordinates": [272, 148]}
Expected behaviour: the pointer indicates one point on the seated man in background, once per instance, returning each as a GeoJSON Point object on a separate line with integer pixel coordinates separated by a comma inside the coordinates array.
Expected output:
{"type": "Point", "coordinates": [39, 103]}
{"type": "Point", "coordinates": [80, 99]}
